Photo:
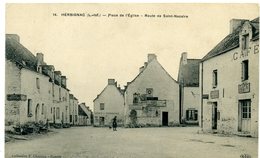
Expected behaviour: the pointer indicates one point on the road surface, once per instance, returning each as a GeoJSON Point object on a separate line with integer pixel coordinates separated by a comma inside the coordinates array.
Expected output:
{"type": "Point", "coordinates": [90, 142]}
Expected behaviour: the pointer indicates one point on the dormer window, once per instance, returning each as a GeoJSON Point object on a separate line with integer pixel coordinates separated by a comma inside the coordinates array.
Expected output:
{"type": "Point", "coordinates": [245, 41]}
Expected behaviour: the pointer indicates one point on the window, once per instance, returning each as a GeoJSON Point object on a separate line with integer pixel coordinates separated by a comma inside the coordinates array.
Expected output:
{"type": "Point", "coordinates": [51, 110]}
{"type": "Point", "coordinates": [38, 83]}
{"type": "Point", "coordinates": [102, 106]}
{"type": "Point", "coordinates": [29, 108]}
{"type": "Point", "coordinates": [245, 75]}
{"type": "Point", "coordinates": [245, 42]}
{"type": "Point", "coordinates": [192, 115]}
{"type": "Point", "coordinates": [156, 113]}
{"type": "Point", "coordinates": [58, 113]}
{"type": "Point", "coordinates": [215, 78]}
{"type": "Point", "coordinates": [135, 98]}
{"type": "Point", "coordinates": [76, 118]}
{"type": "Point", "coordinates": [246, 108]}
{"type": "Point", "coordinates": [42, 109]}
{"type": "Point", "coordinates": [70, 118]}
{"type": "Point", "coordinates": [53, 89]}
{"type": "Point", "coordinates": [59, 94]}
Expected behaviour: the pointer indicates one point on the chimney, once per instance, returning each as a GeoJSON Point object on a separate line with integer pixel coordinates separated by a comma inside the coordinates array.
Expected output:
{"type": "Point", "coordinates": [145, 64]}
{"type": "Point", "coordinates": [63, 81]}
{"type": "Point", "coordinates": [51, 72]}
{"type": "Point", "coordinates": [141, 69]}
{"type": "Point", "coordinates": [57, 77]}
{"type": "Point", "coordinates": [151, 57]}
{"type": "Point", "coordinates": [111, 81]}
{"type": "Point", "coordinates": [39, 57]}
{"type": "Point", "coordinates": [184, 58]}
{"type": "Point", "coordinates": [13, 36]}
{"type": "Point", "coordinates": [235, 23]}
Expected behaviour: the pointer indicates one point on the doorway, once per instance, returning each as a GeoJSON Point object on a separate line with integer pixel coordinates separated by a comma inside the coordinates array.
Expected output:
{"type": "Point", "coordinates": [214, 115]}
{"type": "Point", "coordinates": [37, 110]}
{"type": "Point", "coordinates": [165, 118]}
{"type": "Point", "coordinates": [53, 112]}
{"type": "Point", "coordinates": [244, 116]}
{"type": "Point", "coordinates": [101, 121]}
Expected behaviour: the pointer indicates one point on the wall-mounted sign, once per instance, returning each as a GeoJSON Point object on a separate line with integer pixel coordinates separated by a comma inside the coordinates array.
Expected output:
{"type": "Point", "coordinates": [106, 113]}
{"type": "Point", "coordinates": [245, 53]}
{"type": "Point", "coordinates": [214, 94]}
{"type": "Point", "coordinates": [16, 97]}
{"type": "Point", "coordinates": [205, 96]}
{"type": "Point", "coordinates": [244, 88]}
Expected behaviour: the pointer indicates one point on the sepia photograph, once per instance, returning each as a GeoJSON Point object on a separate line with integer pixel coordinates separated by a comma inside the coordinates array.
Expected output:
{"type": "Point", "coordinates": [131, 80]}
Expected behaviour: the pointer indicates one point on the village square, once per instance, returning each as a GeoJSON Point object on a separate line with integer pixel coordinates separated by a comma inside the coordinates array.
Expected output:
{"type": "Point", "coordinates": [209, 110]}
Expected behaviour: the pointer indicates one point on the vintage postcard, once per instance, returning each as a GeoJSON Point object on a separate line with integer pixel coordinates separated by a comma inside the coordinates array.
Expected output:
{"type": "Point", "coordinates": [130, 80]}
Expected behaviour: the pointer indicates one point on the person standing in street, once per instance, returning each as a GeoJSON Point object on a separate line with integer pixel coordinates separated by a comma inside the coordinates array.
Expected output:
{"type": "Point", "coordinates": [114, 124]}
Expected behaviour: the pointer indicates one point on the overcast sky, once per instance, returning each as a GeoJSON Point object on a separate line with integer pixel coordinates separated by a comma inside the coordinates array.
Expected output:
{"type": "Point", "coordinates": [89, 50]}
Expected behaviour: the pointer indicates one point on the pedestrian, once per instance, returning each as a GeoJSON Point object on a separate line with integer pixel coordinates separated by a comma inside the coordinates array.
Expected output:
{"type": "Point", "coordinates": [114, 124]}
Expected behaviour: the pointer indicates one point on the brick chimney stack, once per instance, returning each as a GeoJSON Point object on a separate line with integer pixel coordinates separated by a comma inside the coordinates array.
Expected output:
{"type": "Point", "coordinates": [184, 58]}
{"type": "Point", "coordinates": [151, 57]}
{"type": "Point", "coordinates": [235, 23]}
{"type": "Point", "coordinates": [111, 81]}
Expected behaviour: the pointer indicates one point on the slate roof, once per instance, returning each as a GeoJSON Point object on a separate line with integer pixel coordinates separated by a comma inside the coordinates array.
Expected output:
{"type": "Point", "coordinates": [81, 110]}
{"type": "Point", "coordinates": [121, 91]}
{"type": "Point", "coordinates": [18, 53]}
{"type": "Point", "coordinates": [189, 73]}
{"type": "Point", "coordinates": [144, 68]}
{"type": "Point", "coordinates": [231, 41]}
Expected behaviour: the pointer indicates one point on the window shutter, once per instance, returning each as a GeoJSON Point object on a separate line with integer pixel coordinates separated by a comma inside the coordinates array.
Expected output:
{"type": "Point", "coordinates": [213, 78]}
{"type": "Point", "coordinates": [242, 71]}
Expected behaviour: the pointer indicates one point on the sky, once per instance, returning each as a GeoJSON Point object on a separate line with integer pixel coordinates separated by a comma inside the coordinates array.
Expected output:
{"type": "Point", "coordinates": [89, 50]}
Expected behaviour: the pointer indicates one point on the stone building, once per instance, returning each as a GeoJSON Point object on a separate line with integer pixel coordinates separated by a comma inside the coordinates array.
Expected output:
{"type": "Point", "coordinates": [60, 94]}
{"type": "Point", "coordinates": [35, 92]}
{"type": "Point", "coordinates": [229, 81]}
{"type": "Point", "coordinates": [152, 97]}
{"type": "Point", "coordinates": [73, 109]}
{"type": "Point", "coordinates": [108, 104]}
{"type": "Point", "coordinates": [188, 78]}
{"type": "Point", "coordinates": [83, 115]}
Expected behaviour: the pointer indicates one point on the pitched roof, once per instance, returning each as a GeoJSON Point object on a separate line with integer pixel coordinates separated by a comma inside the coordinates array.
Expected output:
{"type": "Point", "coordinates": [18, 53]}
{"type": "Point", "coordinates": [144, 68]}
{"type": "Point", "coordinates": [121, 91]}
{"type": "Point", "coordinates": [189, 73]}
{"type": "Point", "coordinates": [231, 41]}
{"type": "Point", "coordinates": [82, 110]}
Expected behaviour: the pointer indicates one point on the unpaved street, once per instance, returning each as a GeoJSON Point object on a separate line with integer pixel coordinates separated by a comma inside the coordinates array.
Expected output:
{"type": "Point", "coordinates": [177, 142]}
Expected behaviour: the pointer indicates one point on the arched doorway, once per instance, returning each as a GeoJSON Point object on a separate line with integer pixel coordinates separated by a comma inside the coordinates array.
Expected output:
{"type": "Point", "coordinates": [37, 111]}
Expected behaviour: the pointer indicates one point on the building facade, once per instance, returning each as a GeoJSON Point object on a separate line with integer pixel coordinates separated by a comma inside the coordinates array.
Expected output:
{"type": "Point", "coordinates": [83, 115]}
{"type": "Point", "coordinates": [108, 104]}
{"type": "Point", "coordinates": [152, 98]}
{"type": "Point", "coordinates": [230, 80]}
{"type": "Point", "coordinates": [188, 79]}
{"type": "Point", "coordinates": [73, 109]}
{"type": "Point", "coordinates": [35, 93]}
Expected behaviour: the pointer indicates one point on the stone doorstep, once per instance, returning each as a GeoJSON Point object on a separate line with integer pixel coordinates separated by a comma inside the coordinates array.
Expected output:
{"type": "Point", "coordinates": [242, 134]}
